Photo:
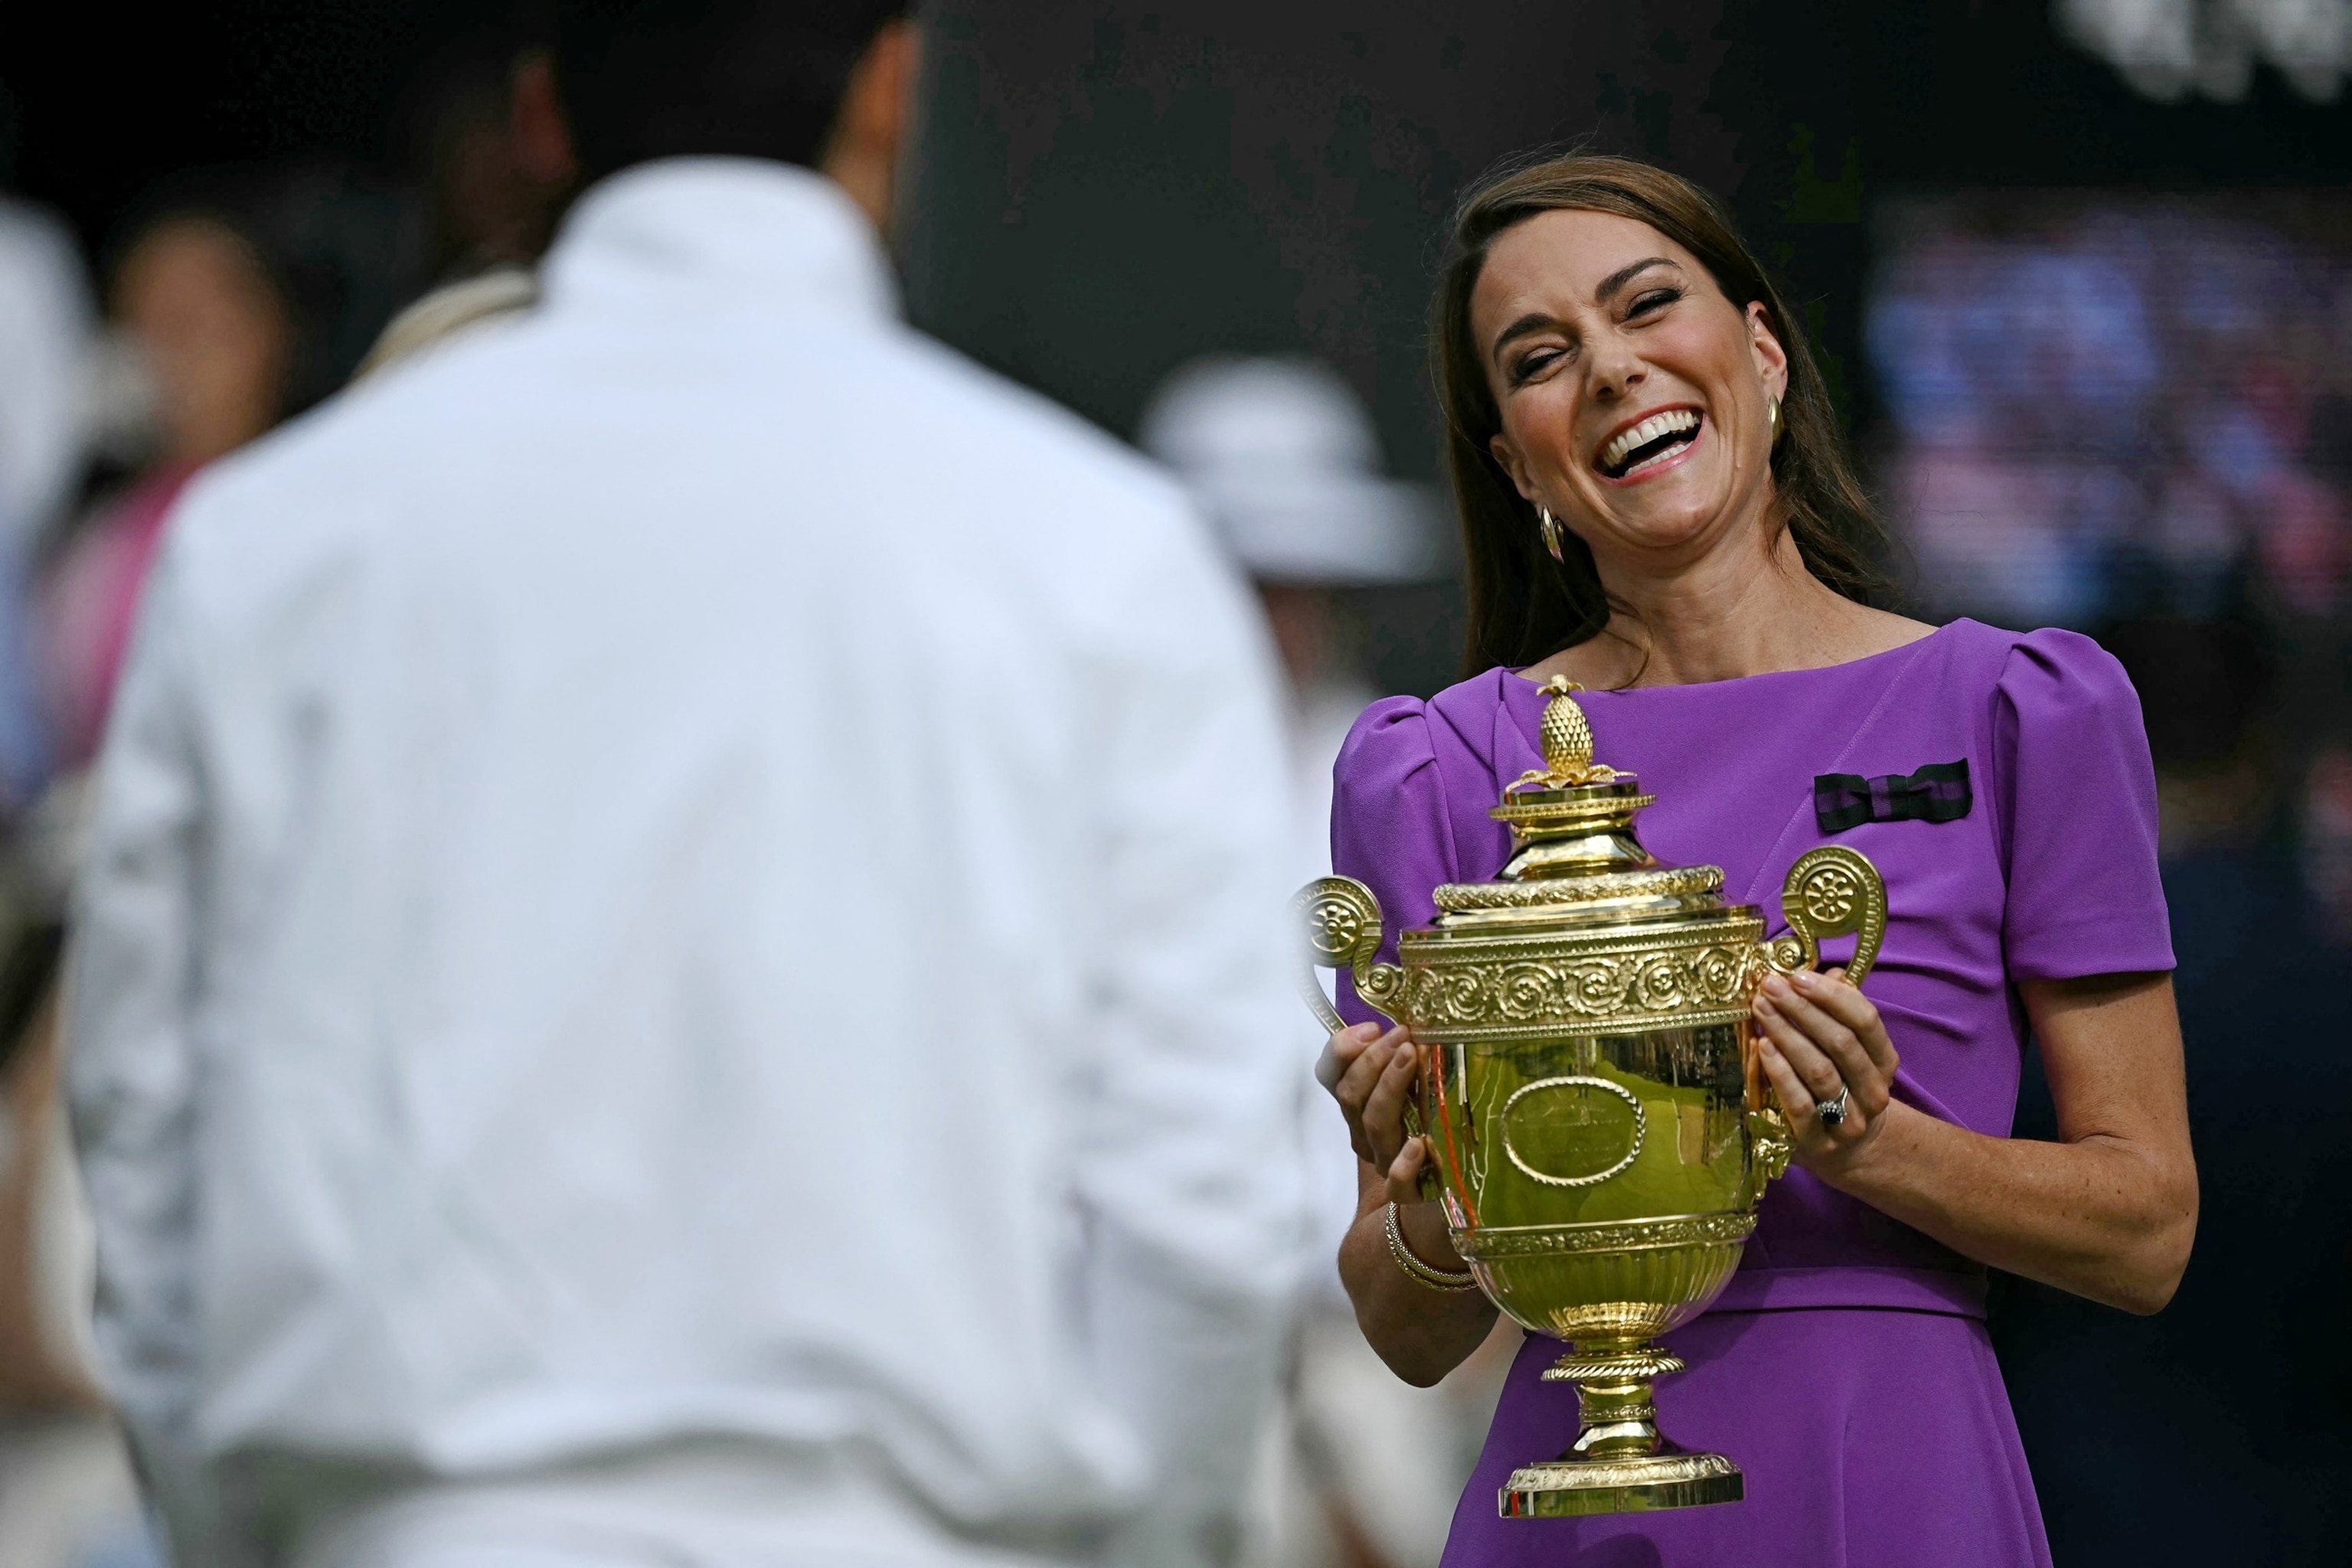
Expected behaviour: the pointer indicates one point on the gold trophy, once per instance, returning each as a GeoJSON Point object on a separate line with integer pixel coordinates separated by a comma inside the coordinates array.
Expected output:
{"type": "Point", "coordinates": [1589, 1088]}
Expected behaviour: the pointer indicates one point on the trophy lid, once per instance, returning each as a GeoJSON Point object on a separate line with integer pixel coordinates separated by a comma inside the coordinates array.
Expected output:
{"type": "Point", "coordinates": [1575, 856]}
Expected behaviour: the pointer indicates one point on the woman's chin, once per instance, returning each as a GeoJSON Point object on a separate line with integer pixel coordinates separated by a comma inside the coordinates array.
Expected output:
{"type": "Point", "coordinates": [1670, 519]}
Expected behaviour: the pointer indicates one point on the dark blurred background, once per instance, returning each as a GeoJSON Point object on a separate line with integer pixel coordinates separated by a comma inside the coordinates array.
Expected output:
{"type": "Point", "coordinates": [2083, 288]}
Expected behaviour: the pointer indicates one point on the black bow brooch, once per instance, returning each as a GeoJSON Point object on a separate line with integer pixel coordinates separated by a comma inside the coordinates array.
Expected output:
{"type": "Point", "coordinates": [1937, 793]}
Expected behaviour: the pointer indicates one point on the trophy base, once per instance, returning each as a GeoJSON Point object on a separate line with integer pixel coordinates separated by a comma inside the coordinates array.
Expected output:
{"type": "Point", "coordinates": [1634, 1483]}
{"type": "Point", "coordinates": [1620, 1463]}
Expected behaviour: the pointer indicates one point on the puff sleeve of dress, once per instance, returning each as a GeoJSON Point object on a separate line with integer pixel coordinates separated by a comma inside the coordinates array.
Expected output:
{"type": "Point", "coordinates": [1389, 827]}
{"type": "Point", "coordinates": [2078, 801]}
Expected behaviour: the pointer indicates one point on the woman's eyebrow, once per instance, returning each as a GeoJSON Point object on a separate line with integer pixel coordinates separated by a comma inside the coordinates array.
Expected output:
{"type": "Point", "coordinates": [1533, 321]}
{"type": "Point", "coordinates": [1624, 275]}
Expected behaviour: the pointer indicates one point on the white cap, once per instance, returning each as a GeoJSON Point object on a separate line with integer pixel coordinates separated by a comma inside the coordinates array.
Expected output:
{"type": "Point", "coordinates": [1283, 458]}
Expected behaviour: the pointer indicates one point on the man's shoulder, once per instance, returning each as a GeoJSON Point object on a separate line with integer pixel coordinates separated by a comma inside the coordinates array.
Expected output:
{"type": "Point", "coordinates": [306, 493]}
{"type": "Point", "coordinates": [325, 449]}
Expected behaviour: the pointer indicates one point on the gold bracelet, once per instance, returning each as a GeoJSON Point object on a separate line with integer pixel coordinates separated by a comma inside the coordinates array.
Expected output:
{"type": "Point", "coordinates": [1422, 1273]}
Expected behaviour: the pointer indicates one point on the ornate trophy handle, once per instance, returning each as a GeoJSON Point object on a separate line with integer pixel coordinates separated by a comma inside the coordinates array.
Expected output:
{"type": "Point", "coordinates": [1831, 891]}
{"type": "Point", "coordinates": [1342, 921]}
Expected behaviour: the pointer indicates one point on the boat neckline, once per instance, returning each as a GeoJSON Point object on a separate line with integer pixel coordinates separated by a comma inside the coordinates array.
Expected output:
{"type": "Point", "coordinates": [1523, 678]}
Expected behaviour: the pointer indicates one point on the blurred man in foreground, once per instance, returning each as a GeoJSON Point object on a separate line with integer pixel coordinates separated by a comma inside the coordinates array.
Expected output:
{"type": "Point", "coordinates": [681, 959]}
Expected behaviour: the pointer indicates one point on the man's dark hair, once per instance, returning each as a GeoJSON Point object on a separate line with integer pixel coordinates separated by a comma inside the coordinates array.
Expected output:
{"type": "Point", "coordinates": [661, 78]}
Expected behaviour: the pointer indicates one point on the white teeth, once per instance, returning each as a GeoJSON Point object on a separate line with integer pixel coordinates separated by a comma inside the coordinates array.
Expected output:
{"type": "Point", "coordinates": [1648, 430]}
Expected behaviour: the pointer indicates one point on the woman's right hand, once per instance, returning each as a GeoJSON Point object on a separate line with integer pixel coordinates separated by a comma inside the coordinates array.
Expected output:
{"type": "Point", "coordinates": [1422, 1333]}
{"type": "Point", "coordinates": [1373, 1076]}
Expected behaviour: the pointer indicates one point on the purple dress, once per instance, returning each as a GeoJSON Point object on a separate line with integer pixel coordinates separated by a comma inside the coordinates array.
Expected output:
{"type": "Point", "coordinates": [1845, 1368]}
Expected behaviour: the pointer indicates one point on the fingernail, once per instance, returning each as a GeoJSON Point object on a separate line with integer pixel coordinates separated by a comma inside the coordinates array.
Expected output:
{"type": "Point", "coordinates": [1806, 978]}
{"type": "Point", "coordinates": [1764, 1005]}
{"type": "Point", "coordinates": [1777, 986]}
{"type": "Point", "coordinates": [1367, 1032]}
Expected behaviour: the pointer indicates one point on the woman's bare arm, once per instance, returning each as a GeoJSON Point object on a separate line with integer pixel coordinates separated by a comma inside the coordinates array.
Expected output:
{"type": "Point", "coordinates": [1422, 1333]}
{"type": "Point", "coordinates": [2107, 1212]}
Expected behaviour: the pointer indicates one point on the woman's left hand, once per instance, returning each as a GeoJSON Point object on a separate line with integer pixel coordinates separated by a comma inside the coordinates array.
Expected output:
{"type": "Point", "coordinates": [1823, 1039]}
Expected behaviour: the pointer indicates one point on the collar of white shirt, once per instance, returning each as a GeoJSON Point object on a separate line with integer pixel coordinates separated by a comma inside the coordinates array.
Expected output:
{"type": "Point", "coordinates": [740, 232]}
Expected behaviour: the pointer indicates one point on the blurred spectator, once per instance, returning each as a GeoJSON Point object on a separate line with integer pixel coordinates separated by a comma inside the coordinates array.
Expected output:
{"type": "Point", "coordinates": [196, 301]}
{"type": "Point", "coordinates": [2170, 50]}
{"type": "Point", "coordinates": [680, 956]}
{"type": "Point", "coordinates": [45, 325]}
{"type": "Point", "coordinates": [1364, 1469]}
{"type": "Point", "coordinates": [45, 331]}
{"type": "Point", "coordinates": [1283, 458]}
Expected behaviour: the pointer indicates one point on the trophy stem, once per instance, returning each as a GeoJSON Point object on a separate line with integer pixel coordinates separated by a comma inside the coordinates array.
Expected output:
{"type": "Point", "coordinates": [1613, 1394]}
{"type": "Point", "coordinates": [1620, 1463]}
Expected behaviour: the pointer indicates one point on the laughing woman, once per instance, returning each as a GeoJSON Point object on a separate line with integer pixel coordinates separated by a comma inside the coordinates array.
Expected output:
{"type": "Point", "coordinates": [1655, 505]}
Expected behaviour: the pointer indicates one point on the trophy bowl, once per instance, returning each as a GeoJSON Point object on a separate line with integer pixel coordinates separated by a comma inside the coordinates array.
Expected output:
{"type": "Point", "coordinates": [1589, 1090]}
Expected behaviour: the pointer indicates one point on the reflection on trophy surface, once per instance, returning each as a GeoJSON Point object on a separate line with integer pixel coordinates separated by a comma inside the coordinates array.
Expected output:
{"type": "Point", "coordinates": [1590, 1090]}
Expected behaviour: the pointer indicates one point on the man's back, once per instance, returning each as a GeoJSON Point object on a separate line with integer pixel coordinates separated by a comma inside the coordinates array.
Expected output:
{"type": "Point", "coordinates": [694, 866]}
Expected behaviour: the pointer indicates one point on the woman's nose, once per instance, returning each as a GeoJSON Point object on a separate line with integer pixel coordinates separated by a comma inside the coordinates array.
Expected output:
{"type": "Point", "coordinates": [1615, 373]}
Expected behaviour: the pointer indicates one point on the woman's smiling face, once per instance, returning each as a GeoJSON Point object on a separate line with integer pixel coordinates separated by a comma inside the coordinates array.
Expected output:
{"type": "Point", "coordinates": [1634, 396]}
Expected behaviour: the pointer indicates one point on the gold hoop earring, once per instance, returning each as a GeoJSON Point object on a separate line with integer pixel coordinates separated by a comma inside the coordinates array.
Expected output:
{"type": "Point", "coordinates": [1772, 413]}
{"type": "Point", "coordinates": [1549, 527]}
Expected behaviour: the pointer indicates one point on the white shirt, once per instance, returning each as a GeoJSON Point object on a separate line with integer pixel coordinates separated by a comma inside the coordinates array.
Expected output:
{"type": "Point", "coordinates": [696, 864]}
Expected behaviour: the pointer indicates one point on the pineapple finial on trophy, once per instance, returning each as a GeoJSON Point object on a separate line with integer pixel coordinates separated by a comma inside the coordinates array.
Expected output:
{"type": "Point", "coordinates": [1566, 742]}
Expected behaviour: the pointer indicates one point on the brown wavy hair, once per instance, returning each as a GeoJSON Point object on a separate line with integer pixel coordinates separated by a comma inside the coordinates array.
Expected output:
{"type": "Point", "coordinates": [1524, 606]}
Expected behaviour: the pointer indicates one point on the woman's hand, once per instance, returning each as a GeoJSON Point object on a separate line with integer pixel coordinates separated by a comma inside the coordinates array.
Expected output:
{"type": "Point", "coordinates": [1422, 1333]}
{"type": "Point", "coordinates": [2109, 1211]}
{"type": "Point", "coordinates": [1373, 1076]}
{"type": "Point", "coordinates": [1824, 1044]}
